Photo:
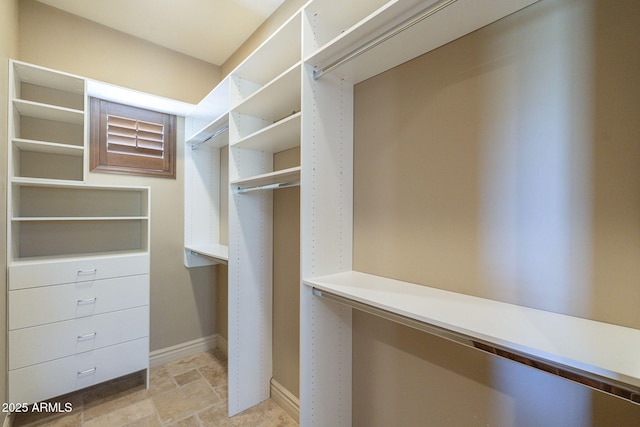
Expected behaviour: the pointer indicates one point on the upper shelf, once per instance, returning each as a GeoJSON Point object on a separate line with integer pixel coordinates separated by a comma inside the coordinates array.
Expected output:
{"type": "Point", "coordinates": [433, 24]}
{"type": "Point", "coordinates": [277, 53]}
{"type": "Point", "coordinates": [605, 351]}
{"type": "Point", "coordinates": [40, 76]}
{"type": "Point", "coordinates": [278, 99]}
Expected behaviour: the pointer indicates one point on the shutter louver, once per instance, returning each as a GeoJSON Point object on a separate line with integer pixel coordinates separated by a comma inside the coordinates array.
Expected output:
{"type": "Point", "coordinates": [135, 137]}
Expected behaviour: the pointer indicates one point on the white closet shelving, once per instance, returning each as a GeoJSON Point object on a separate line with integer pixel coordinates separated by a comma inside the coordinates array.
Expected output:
{"type": "Point", "coordinates": [343, 49]}
{"type": "Point", "coordinates": [77, 255]}
{"type": "Point", "coordinates": [207, 131]}
{"type": "Point", "coordinates": [296, 90]}
{"type": "Point", "coordinates": [265, 118]}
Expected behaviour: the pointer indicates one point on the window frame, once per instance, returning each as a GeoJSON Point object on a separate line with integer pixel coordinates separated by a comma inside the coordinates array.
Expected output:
{"type": "Point", "coordinates": [120, 163]}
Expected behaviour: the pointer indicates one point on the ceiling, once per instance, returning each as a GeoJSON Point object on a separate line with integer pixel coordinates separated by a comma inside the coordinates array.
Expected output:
{"type": "Point", "coordinates": [210, 30]}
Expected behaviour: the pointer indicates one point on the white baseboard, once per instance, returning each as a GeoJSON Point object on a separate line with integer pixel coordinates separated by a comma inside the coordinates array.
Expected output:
{"type": "Point", "coordinates": [285, 399]}
{"type": "Point", "coordinates": [169, 354]}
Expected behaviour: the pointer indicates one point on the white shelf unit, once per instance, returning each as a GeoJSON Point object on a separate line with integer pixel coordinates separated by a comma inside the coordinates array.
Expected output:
{"type": "Point", "coordinates": [47, 124]}
{"type": "Point", "coordinates": [368, 38]}
{"type": "Point", "coordinates": [265, 118]}
{"type": "Point", "coordinates": [77, 254]}
{"type": "Point", "coordinates": [536, 335]}
{"type": "Point", "coordinates": [207, 131]}
{"type": "Point", "coordinates": [287, 95]}
{"type": "Point", "coordinates": [51, 220]}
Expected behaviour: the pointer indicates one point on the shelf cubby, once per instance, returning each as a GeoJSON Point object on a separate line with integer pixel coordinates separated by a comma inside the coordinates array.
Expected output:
{"type": "Point", "coordinates": [275, 101]}
{"type": "Point", "coordinates": [279, 136]}
{"type": "Point", "coordinates": [268, 61]}
{"type": "Point", "coordinates": [53, 219]}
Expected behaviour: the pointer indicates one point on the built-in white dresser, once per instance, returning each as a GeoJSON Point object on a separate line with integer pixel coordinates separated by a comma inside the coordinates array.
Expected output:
{"type": "Point", "coordinates": [78, 254]}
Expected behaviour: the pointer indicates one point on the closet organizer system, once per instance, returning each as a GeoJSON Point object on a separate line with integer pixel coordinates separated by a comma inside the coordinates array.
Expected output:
{"type": "Point", "coordinates": [78, 254]}
{"type": "Point", "coordinates": [296, 89]}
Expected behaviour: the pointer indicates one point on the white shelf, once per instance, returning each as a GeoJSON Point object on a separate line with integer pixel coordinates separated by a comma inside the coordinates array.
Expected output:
{"type": "Point", "coordinates": [48, 147]}
{"type": "Point", "coordinates": [35, 182]}
{"type": "Point", "coordinates": [210, 130]}
{"type": "Point", "coordinates": [49, 112]}
{"type": "Point", "coordinates": [601, 349]}
{"type": "Point", "coordinates": [281, 176]}
{"type": "Point", "coordinates": [272, 57]}
{"type": "Point", "coordinates": [278, 99]}
{"type": "Point", "coordinates": [40, 76]}
{"type": "Point", "coordinates": [277, 137]}
{"type": "Point", "coordinates": [220, 253]}
{"type": "Point", "coordinates": [456, 20]}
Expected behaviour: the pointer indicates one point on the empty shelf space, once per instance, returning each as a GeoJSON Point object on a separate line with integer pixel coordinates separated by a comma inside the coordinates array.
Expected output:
{"type": "Point", "coordinates": [278, 52]}
{"type": "Point", "coordinates": [599, 351]}
{"type": "Point", "coordinates": [277, 179]}
{"type": "Point", "coordinates": [274, 138]}
{"type": "Point", "coordinates": [48, 112]}
{"type": "Point", "coordinates": [276, 100]}
{"type": "Point", "coordinates": [218, 252]}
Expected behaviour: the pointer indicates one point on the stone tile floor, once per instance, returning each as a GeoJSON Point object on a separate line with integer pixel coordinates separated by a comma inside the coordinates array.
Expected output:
{"type": "Point", "coordinates": [184, 393]}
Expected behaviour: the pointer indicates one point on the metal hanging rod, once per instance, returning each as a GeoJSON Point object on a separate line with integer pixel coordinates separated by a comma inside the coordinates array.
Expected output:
{"type": "Point", "coordinates": [275, 186]}
{"type": "Point", "coordinates": [609, 386]}
{"type": "Point", "coordinates": [404, 25]}
{"type": "Point", "coordinates": [216, 133]}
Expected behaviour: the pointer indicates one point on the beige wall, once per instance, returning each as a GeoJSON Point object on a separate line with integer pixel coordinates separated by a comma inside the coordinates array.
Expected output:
{"type": "Point", "coordinates": [8, 49]}
{"type": "Point", "coordinates": [182, 300]}
{"type": "Point", "coordinates": [503, 165]}
{"type": "Point", "coordinates": [63, 41]}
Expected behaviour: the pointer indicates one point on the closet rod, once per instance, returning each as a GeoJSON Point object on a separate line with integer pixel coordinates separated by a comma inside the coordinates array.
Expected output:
{"type": "Point", "coordinates": [216, 133]}
{"type": "Point", "coordinates": [610, 386]}
{"type": "Point", "coordinates": [404, 25]}
{"type": "Point", "coordinates": [275, 186]}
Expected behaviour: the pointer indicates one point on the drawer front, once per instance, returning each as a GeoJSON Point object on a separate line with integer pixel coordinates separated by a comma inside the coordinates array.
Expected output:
{"type": "Point", "coordinates": [46, 380]}
{"type": "Point", "coordinates": [31, 274]}
{"type": "Point", "coordinates": [38, 306]}
{"type": "Point", "coordinates": [28, 346]}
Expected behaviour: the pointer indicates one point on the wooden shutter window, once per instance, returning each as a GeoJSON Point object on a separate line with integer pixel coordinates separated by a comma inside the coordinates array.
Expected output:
{"type": "Point", "coordinates": [131, 140]}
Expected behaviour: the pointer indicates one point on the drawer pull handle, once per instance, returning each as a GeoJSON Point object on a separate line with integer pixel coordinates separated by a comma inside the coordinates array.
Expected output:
{"type": "Point", "coordinates": [87, 336]}
{"type": "Point", "coordinates": [87, 301]}
{"type": "Point", "coordinates": [87, 371]}
{"type": "Point", "coordinates": [87, 272]}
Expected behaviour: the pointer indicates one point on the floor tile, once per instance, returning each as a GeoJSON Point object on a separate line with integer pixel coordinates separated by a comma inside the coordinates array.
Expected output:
{"type": "Point", "coordinates": [123, 416]}
{"type": "Point", "coordinates": [177, 404]}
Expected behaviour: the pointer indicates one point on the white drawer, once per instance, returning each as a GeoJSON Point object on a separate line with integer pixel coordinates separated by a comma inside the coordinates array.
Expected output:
{"type": "Point", "coordinates": [38, 306]}
{"type": "Point", "coordinates": [28, 274]}
{"type": "Point", "coordinates": [28, 346]}
{"type": "Point", "coordinates": [46, 380]}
